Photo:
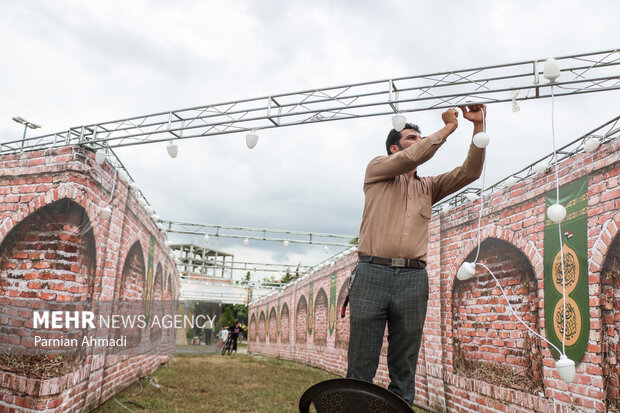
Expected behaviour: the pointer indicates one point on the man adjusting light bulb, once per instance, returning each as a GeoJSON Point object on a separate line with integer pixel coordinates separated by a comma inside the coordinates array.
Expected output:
{"type": "Point", "coordinates": [389, 285]}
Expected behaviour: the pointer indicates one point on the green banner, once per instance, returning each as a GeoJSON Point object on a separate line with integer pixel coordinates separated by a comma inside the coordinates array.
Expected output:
{"type": "Point", "coordinates": [332, 303]}
{"type": "Point", "coordinates": [148, 287]}
{"type": "Point", "coordinates": [310, 308]}
{"type": "Point", "coordinates": [574, 233]}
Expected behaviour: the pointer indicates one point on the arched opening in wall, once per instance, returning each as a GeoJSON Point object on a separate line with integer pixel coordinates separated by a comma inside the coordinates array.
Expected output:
{"type": "Point", "coordinates": [273, 326]}
{"type": "Point", "coordinates": [284, 324]}
{"type": "Point", "coordinates": [48, 258]}
{"type": "Point", "coordinates": [261, 327]}
{"type": "Point", "coordinates": [342, 324]}
{"type": "Point", "coordinates": [321, 318]}
{"type": "Point", "coordinates": [489, 344]}
{"type": "Point", "coordinates": [131, 293]}
{"type": "Point", "coordinates": [610, 315]}
{"type": "Point", "coordinates": [252, 328]}
{"type": "Point", "coordinates": [301, 321]}
{"type": "Point", "coordinates": [157, 305]}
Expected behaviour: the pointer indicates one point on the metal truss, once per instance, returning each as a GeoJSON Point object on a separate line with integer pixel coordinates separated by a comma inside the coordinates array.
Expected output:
{"type": "Point", "coordinates": [261, 234]}
{"type": "Point", "coordinates": [582, 73]}
{"type": "Point", "coordinates": [606, 133]}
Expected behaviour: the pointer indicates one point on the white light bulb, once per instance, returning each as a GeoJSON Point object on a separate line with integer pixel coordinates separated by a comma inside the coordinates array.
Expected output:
{"type": "Point", "coordinates": [326, 249]}
{"type": "Point", "coordinates": [167, 243]}
{"type": "Point", "coordinates": [540, 167]}
{"type": "Point", "coordinates": [398, 122]}
{"type": "Point", "coordinates": [149, 210]}
{"type": "Point", "coordinates": [133, 185]}
{"type": "Point", "coordinates": [510, 181]}
{"type": "Point", "coordinates": [445, 208]}
{"type": "Point", "coordinates": [100, 156]}
{"type": "Point", "coordinates": [285, 243]}
{"type": "Point", "coordinates": [160, 226]}
{"type": "Point", "coordinates": [551, 70]}
{"type": "Point", "coordinates": [481, 139]}
{"type": "Point", "coordinates": [251, 139]}
{"type": "Point", "coordinates": [155, 217]}
{"type": "Point", "coordinates": [566, 368]}
{"type": "Point", "coordinates": [142, 202]}
{"type": "Point", "coordinates": [122, 175]}
{"type": "Point", "coordinates": [472, 197]}
{"type": "Point", "coordinates": [556, 213]}
{"type": "Point", "coordinates": [246, 242]}
{"type": "Point", "coordinates": [591, 144]}
{"type": "Point", "coordinates": [206, 239]}
{"type": "Point", "coordinates": [106, 213]}
{"type": "Point", "coordinates": [173, 149]}
{"type": "Point", "coordinates": [466, 271]}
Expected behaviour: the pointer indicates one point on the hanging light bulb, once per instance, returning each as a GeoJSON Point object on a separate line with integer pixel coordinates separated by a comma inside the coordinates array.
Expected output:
{"type": "Point", "coordinates": [510, 181]}
{"type": "Point", "coordinates": [167, 243]}
{"type": "Point", "coordinates": [466, 271]}
{"type": "Point", "coordinates": [326, 249]}
{"type": "Point", "coordinates": [556, 213]}
{"type": "Point", "coordinates": [540, 167]}
{"type": "Point", "coordinates": [251, 139]}
{"type": "Point", "coordinates": [100, 156]}
{"type": "Point", "coordinates": [566, 368]}
{"type": "Point", "coordinates": [149, 210]}
{"type": "Point", "coordinates": [551, 70]}
{"type": "Point", "coordinates": [472, 197]}
{"type": "Point", "coordinates": [591, 144]}
{"type": "Point", "coordinates": [398, 122]}
{"type": "Point", "coordinates": [285, 243]}
{"type": "Point", "coordinates": [142, 202]}
{"type": "Point", "coordinates": [172, 148]}
{"type": "Point", "coordinates": [445, 208]}
{"type": "Point", "coordinates": [246, 242]}
{"type": "Point", "coordinates": [515, 105]}
{"type": "Point", "coordinates": [155, 217]}
{"type": "Point", "coordinates": [206, 239]}
{"type": "Point", "coordinates": [133, 185]}
{"type": "Point", "coordinates": [481, 140]}
{"type": "Point", "coordinates": [160, 226]}
{"type": "Point", "coordinates": [106, 213]}
{"type": "Point", "coordinates": [122, 175]}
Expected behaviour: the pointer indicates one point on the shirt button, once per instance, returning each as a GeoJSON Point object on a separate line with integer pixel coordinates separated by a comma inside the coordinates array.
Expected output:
{"type": "Point", "coordinates": [405, 234]}
{"type": "Point", "coordinates": [410, 197]}
{"type": "Point", "coordinates": [408, 215]}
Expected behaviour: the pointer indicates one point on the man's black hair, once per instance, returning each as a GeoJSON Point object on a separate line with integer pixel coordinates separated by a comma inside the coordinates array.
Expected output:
{"type": "Point", "coordinates": [394, 136]}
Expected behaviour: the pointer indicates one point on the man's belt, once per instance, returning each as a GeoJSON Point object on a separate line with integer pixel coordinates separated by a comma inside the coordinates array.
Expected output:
{"type": "Point", "coordinates": [392, 262]}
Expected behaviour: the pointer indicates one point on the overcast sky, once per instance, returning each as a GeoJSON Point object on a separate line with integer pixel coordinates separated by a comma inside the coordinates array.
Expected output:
{"type": "Point", "coordinates": [70, 63]}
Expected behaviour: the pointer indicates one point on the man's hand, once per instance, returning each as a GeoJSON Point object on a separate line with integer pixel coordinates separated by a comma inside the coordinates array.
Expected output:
{"type": "Point", "coordinates": [450, 118]}
{"type": "Point", "coordinates": [474, 113]}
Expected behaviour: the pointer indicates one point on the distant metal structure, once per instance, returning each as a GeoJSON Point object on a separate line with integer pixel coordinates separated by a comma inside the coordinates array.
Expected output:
{"type": "Point", "coordinates": [581, 73]}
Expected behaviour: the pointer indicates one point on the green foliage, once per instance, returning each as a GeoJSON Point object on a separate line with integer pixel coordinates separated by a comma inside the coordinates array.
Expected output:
{"type": "Point", "coordinates": [228, 318]}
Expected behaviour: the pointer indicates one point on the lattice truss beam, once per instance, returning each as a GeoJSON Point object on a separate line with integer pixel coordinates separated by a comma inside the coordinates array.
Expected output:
{"type": "Point", "coordinates": [582, 73]}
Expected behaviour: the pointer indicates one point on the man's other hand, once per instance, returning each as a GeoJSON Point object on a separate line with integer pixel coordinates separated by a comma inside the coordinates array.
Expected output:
{"type": "Point", "coordinates": [450, 118]}
{"type": "Point", "coordinates": [474, 113]}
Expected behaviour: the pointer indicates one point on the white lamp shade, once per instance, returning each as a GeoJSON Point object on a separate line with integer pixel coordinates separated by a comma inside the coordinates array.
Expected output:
{"type": "Point", "coordinates": [122, 175]}
{"type": "Point", "coordinates": [106, 213]}
{"type": "Point", "coordinates": [466, 271]}
{"type": "Point", "coordinates": [566, 368]}
{"type": "Point", "coordinates": [246, 242]}
{"type": "Point", "coordinates": [591, 144]}
{"type": "Point", "coordinates": [551, 70]}
{"type": "Point", "coordinates": [100, 157]}
{"type": "Point", "coordinates": [472, 196]}
{"type": "Point", "coordinates": [142, 202]}
{"type": "Point", "coordinates": [251, 139]}
{"type": "Point", "coordinates": [173, 149]}
{"type": "Point", "coordinates": [206, 239]}
{"type": "Point", "coordinates": [398, 122]}
{"type": "Point", "coordinates": [149, 210]}
{"type": "Point", "coordinates": [510, 181]}
{"type": "Point", "coordinates": [326, 249]}
{"type": "Point", "coordinates": [285, 243]}
{"type": "Point", "coordinates": [445, 208]}
{"type": "Point", "coordinates": [481, 139]}
{"type": "Point", "coordinates": [540, 168]}
{"type": "Point", "coordinates": [556, 213]}
{"type": "Point", "coordinates": [133, 185]}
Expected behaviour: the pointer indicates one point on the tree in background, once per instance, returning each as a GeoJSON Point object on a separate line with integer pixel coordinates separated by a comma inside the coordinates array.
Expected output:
{"type": "Point", "coordinates": [228, 318]}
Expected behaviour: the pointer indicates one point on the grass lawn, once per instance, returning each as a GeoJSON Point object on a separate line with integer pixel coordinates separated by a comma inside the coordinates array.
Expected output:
{"type": "Point", "coordinates": [214, 383]}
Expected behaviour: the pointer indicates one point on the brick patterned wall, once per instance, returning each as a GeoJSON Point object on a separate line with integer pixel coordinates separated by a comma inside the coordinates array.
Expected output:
{"type": "Point", "coordinates": [55, 245]}
{"type": "Point", "coordinates": [472, 346]}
